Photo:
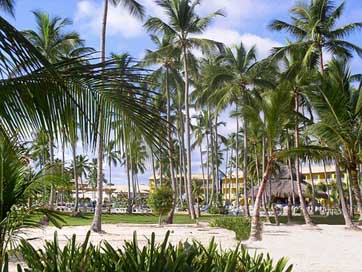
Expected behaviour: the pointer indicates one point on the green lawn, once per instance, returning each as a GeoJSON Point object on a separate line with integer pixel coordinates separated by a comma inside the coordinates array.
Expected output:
{"type": "Point", "coordinates": [86, 219]}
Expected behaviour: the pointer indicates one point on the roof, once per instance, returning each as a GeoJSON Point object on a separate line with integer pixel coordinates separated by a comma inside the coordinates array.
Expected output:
{"type": "Point", "coordinates": [193, 176]}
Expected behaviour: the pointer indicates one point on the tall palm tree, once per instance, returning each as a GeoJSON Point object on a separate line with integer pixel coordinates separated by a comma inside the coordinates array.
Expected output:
{"type": "Point", "coordinates": [233, 77]}
{"type": "Point", "coordinates": [113, 157]}
{"type": "Point", "coordinates": [136, 9]}
{"type": "Point", "coordinates": [83, 167]}
{"type": "Point", "coordinates": [166, 56]}
{"type": "Point", "coordinates": [337, 105]}
{"type": "Point", "coordinates": [314, 27]}
{"type": "Point", "coordinates": [183, 21]}
{"type": "Point", "coordinates": [271, 115]}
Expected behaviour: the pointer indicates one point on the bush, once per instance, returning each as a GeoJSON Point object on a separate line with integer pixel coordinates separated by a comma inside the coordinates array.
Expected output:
{"type": "Point", "coordinates": [152, 257]}
{"type": "Point", "coordinates": [217, 210]}
{"type": "Point", "coordinates": [161, 201]}
{"type": "Point", "coordinates": [241, 225]}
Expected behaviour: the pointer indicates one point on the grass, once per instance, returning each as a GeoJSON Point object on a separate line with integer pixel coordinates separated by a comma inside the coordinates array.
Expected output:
{"type": "Point", "coordinates": [86, 219]}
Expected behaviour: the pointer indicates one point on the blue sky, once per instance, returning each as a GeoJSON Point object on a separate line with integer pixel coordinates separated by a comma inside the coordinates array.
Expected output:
{"type": "Point", "coordinates": [246, 20]}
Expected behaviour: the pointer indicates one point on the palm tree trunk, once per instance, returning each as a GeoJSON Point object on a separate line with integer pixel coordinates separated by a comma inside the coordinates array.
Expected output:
{"type": "Point", "coordinates": [290, 168]}
{"type": "Point", "coordinates": [202, 170]}
{"type": "Point", "coordinates": [257, 174]}
{"type": "Point", "coordinates": [208, 200]}
{"type": "Point", "coordinates": [97, 220]}
{"type": "Point", "coordinates": [307, 218]}
{"type": "Point", "coordinates": [346, 215]}
{"type": "Point", "coordinates": [356, 190]}
{"type": "Point", "coordinates": [350, 194]}
{"type": "Point", "coordinates": [218, 184]}
{"type": "Point", "coordinates": [169, 218]}
{"type": "Point", "coordinates": [245, 169]}
{"type": "Point", "coordinates": [51, 195]}
{"type": "Point", "coordinates": [153, 168]}
{"type": "Point", "coordinates": [313, 187]}
{"type": "Point", "coordinates": [226, 170]}
{"type": "Point", "coordinates": [212, 196]}
{"type": "Point", "coordinates": [237, 158]}
{"type": "Point", "coordinates": [188, 136]}
{"type": "Point", "coordinates": [327, 184]}
{"type": "Point", "coordinates": [256, 228]}
{"type": "Point", "coordinates": [230, 173]}
{"type": "Point", "coordinates": [76, 205]}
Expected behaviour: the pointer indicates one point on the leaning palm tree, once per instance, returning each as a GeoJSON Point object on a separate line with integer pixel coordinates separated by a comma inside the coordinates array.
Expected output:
{"type": "Point", "coordinates": [136, 9]}
{"type": "Point", "coordinates": [271, 115]}
{"type": "Point", "coordinates": [314, 25]}
{"type": "Point", "coordinates": [183, 21]}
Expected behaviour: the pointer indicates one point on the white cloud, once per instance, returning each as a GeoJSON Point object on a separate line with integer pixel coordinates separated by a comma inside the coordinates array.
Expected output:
{"type": "Point", "coordinates": [243, 12]}
{"type": "Point", "coordinates": [120, 22]}
{"type": "Point", "coordinates": [233, 37]}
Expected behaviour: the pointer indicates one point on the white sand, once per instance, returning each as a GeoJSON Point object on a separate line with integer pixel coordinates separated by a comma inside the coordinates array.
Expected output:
{"type": "Point", "coordinates": [325, 248]}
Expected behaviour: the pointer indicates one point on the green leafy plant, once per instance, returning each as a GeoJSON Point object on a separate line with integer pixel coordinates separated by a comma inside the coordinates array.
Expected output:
{"type": "Point", "coordinates": [154, 256]}
{"type": "Point", "coordinates": [161, 201]}
{"type": "Point", "coordinates": [241, 226]}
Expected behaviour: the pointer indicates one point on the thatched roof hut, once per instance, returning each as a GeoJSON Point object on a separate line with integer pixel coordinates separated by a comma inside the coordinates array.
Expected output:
{"type": "Point", "coordinates": [280, 186]}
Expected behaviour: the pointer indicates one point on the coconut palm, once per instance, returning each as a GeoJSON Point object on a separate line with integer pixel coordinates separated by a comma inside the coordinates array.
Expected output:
{"type": "Point", "coordinates": [231, 78]}
{"type": "Point", "coordinates": [271, 115]}
{"type": "Point", "coordinates": [136, 9]}
{"type": "Point", "coordinates": [51, 39]}
{"type": "Point", "coordinates": [315, 26]}
{"type": "Point", "coordinates": [183, 21]}
{"type": "Point", "coordinates": [337, 105]}
{"type": "Point", "coordinates": [113, 157]}
{"type": "Point", "coordinates": [166, 56]}
{"type": "Point", "coordinates": [83, 167]}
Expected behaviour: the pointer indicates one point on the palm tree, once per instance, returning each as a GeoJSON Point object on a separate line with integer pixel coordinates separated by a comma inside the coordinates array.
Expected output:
{"type": "Point", "coordinates": [51, 40]}
{"type": "Point", "coordinates": [136, 9]}
{"type": "Point", "coordinates": [165, 55]}
{"type": "Point", "coordinates": [232, 77]}
{"type": "Point", "coordinates": [271, 115]}
{"type": "Point", "coordinates": [183, 21]}
{"type": "Point", "coordinates": [336, 103]}
{"type": "Point", "coordinates": [83, 168]}
{"type": "Point", "coordinates": [314, 27]}
{"type": "Point", "coordinates": [113, 157]}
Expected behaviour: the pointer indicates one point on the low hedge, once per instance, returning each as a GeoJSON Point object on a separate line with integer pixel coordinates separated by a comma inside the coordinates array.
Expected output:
{"type": "Point", "coordinates": [241, 225]}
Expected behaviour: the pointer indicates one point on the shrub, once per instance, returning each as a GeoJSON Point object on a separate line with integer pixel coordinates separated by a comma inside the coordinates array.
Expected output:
{"type": "Point", "coordinates": [217, 210]}
{"type": "Point", "coordinates": [241, 225]}
{"type": "Point", "coordinates": [161, 201]}
{"type": "Point", "coordinates": [152, 257]}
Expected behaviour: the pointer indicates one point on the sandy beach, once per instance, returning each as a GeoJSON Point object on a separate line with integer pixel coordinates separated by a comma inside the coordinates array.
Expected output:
{"type": "Point", "coordinates": [323, 248]}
